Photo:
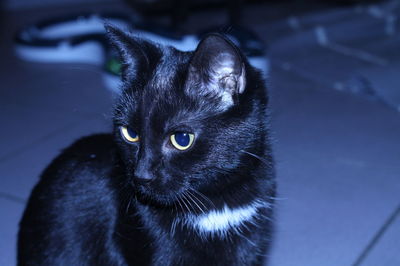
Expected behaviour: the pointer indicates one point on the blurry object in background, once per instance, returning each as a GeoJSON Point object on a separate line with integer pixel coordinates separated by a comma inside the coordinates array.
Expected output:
{"type": "Point", "coordinates": [14, 5]}
{"type": "Point", "coordinates": [165, 35]}
{"type": "Point", "coordinates": [358, 85]}
{"type": "Point", "coordinates": [179, 11]}
{"type": "Point", "coordinates": [80, 38]}
{"type": "Point", "coordinates": [353, 2]}
{"type": "Point", "coordinates": [244, 38]}
{"type": "Point", "coordinates": [75, 39]}
{"type": "Point", "coordinates": [112, 72]}
{"type": "Point", "coordinates": [351, 49]}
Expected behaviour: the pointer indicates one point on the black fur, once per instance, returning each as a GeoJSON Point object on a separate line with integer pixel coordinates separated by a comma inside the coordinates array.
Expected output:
{"type": "Point", "coordinates": [91, 206]}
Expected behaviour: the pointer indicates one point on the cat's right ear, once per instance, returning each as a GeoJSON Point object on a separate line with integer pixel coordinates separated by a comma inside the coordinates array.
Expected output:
{"type": "Point", "coordinates": [130, 49]}
{"type": "Point", "coordinates": [217, 68]}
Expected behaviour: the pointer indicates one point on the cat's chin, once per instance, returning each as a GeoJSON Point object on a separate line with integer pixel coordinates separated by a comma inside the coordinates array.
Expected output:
{"type": "Point", "coordinates": [159, 201]}
{"type": "Point", "coordinates": [158, 197]}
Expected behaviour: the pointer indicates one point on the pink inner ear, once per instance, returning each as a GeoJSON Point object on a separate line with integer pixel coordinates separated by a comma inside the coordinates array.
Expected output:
{"type": "Point", "coordinates": [227, 76]}
{"type": "Point", "coordinates": [221, 66]}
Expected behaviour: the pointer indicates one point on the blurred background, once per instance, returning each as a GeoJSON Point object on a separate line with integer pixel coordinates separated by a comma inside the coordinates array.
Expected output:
{"type": "Point", "coordinates": [333, 72]}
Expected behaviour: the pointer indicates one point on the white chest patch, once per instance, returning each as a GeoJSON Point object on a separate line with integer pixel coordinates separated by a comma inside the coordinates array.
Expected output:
{"type": "Point", "coordinates": [218, 222]}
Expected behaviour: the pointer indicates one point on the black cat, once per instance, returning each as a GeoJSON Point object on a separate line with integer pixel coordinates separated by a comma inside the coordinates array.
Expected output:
{"type": "Point", "coordinates": [186, 178]}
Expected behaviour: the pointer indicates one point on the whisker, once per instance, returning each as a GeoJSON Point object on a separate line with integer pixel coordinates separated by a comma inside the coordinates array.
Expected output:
{"type": "Point", "coordinates": [195, 197]}
{"type": "Point", "coordinates": [129, 204]}
{"type": "Point", "coordinates": [185, 200]}
{"type": "Point", "coordinates": [257, 157]}
{"type": "Point", "coordinates": [204, 197]}
{"type": "Point", "coordinates": [173, 227]}
{"type": "Point", "coordinates": [192, 199]}
{"type": "Point", "coordinates": [221, 170]}
{"type": "Point", "coordinates": [179, 202]}
{"type": "Point", "coordinates": [276, 198]}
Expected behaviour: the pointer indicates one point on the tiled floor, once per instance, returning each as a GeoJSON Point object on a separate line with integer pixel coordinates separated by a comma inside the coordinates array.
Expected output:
{"type": "Point", "coordinates": [338, 154]}
{"type": "Point", "coordinates": [338, 178]}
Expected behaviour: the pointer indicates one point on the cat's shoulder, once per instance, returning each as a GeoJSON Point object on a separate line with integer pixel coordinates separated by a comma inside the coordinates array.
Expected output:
{"type": "Point", "coordinates": [90, 154]}
{"type": "Point", "coordinates": [83, 168]}
{"type": "Point", "coordinates": [90, 148]}
{"type": "Point", "coordinates": [73, 202]}
{"type": "Point", "coordinates": [80, 176]}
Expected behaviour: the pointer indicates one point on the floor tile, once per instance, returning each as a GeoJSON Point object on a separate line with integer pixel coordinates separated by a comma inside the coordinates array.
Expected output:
{"type": "Point", "coordinates": [327, 67]}
{"type": "Point", "coordinates": [337, 163]}
{"type": "Point", "coordinates": [56, 87]}
{"type": "Point", "coordinates": [386, 251]}
{"type": "Point", "coordinates": [23, 127]}
{"type": "Point", "coordinates": [20, 173]}
{"type": "Point", "coordinates": [294, 91]}
{"type": "Point", "coordinates": [385, 82]}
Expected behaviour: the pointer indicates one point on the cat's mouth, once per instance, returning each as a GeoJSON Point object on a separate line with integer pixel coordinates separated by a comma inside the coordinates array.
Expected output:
{"type": "Point", "coordinates": [181, 199]}
{"type": "Point", "coordinates": [156, 194]}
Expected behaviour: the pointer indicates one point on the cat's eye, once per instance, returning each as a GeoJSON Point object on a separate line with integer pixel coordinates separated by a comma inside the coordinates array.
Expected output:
{"type": "Point", "coordinates": [129, 134]}
{"type": "Point", "coordinates": [182, 140]}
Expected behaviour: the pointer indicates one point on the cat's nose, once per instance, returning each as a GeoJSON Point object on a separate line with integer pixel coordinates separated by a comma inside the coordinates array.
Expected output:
{"type": "Point", "coordinates": [144, 177]}
{"type": "Point", "coordinates": [142, 173]}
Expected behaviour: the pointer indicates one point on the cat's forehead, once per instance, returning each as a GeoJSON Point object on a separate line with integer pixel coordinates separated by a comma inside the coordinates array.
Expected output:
{"type": "Point", "coordinates": [168, 70]}
{"type": "Point", "coordinates": [162, 96]}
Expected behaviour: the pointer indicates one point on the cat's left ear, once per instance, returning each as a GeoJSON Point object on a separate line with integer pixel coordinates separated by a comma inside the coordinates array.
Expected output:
{"type": "Point", "coordinates": [132, 53]}
{"type": "Point", "coordinates": [218, 66]}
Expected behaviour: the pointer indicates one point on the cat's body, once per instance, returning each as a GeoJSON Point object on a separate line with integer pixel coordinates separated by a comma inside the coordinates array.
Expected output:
{"type": "Point", "coordinates": [117, 200]}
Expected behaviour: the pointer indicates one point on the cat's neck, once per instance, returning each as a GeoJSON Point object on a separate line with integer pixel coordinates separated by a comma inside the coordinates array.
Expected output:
{"type": "Point", "coordinates": [222, 221]}
{"type": "Point", "coordinates": [212, 222]}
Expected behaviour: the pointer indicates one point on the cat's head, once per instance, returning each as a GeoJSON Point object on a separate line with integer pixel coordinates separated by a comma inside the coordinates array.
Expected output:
{"type": "Point", "coordinates": [185, 120]}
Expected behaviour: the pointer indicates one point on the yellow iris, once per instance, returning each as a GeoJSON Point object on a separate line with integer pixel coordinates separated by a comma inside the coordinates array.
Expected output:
{"type": "Point", "coordinates": [129, 135]}
{"type": "Point", "coordinates": [182, 140]}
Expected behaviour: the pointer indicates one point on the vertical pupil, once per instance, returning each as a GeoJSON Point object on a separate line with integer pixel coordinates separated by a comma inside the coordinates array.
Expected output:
{"type": "Point", "coordinates": [131, 133]}
{"type": "Point", "coordinates": [182, 139]}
